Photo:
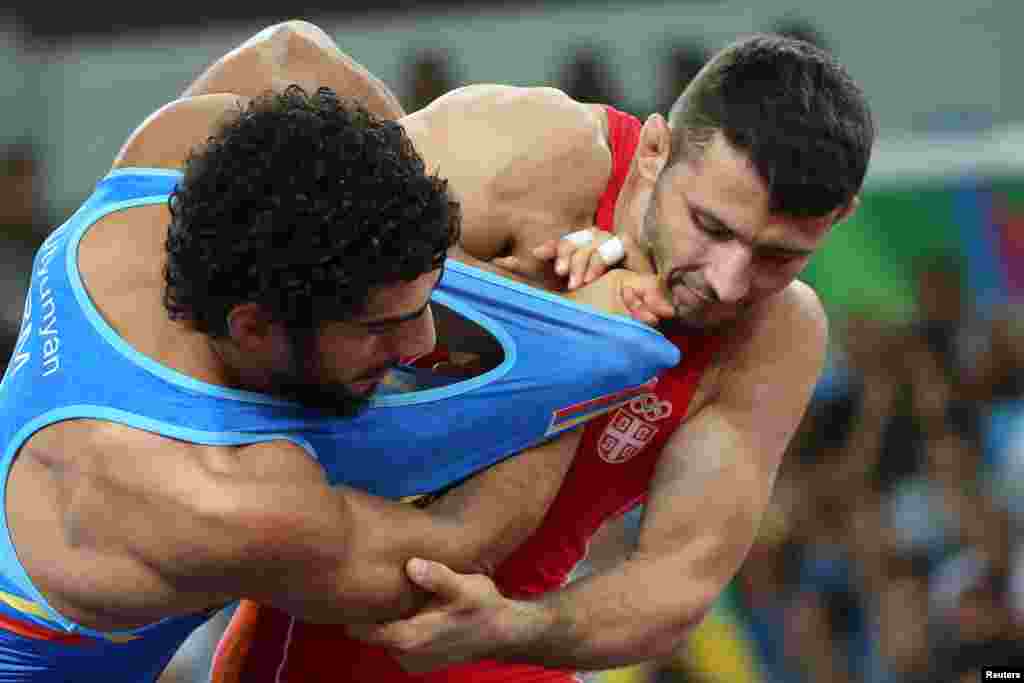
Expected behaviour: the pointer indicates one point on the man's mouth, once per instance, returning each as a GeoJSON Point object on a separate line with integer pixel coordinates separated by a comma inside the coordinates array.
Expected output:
{"type": "Point", "coordinates": [366, 386]}
{"type": "Point", "coordinates": [682, 293]}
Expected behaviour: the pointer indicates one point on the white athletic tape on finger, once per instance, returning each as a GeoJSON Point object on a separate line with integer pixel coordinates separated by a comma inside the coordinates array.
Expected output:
{"type": "Point", "coordinates": [580, 237]}
{"type": "Point", "coordinates": [611, 251]}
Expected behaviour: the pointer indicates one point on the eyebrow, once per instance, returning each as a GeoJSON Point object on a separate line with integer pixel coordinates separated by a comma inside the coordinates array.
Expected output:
{"type": "Point", "coordinates": [404, 318]}
{"type": "Point", "coordinates": [394, 320]}
{"type": "Point", "coordinates": [719, 224]}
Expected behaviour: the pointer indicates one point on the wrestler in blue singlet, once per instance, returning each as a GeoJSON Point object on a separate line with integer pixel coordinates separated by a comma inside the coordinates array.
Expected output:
{"type": "Point", "coordinates": [563, 363]}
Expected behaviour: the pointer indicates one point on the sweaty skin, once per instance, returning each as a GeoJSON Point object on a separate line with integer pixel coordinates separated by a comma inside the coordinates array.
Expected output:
{"type": "Point", "coordinates": [257, 521]}
{"type": "Point", "coordinates": [724, 261]}
{"type": "Point", "coordinates": [715, 476]}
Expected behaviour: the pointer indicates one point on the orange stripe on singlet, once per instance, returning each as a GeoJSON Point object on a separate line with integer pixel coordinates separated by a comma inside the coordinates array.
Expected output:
{"type": "Point", "coordinates": [27, 629]}
{"type": "Point", "coordinates": [233, 648]}
{"type": "Point", "coordinates": [32, 630]}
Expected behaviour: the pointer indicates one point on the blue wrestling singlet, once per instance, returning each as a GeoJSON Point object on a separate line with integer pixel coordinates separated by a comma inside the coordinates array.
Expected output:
{"type": "Point", "coordinates": [563, 363]}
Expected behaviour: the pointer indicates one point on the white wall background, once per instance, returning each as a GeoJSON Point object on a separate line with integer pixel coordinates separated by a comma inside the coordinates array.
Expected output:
{"type": "Point", "coordinates": [924, 64]}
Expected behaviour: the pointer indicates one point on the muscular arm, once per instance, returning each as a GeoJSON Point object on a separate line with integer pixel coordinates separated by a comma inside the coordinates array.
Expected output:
{"type": "Point", "coordinates": [367, 540]}
{"type": "Point", "coordinates": [265, 525]}
{"type": "Point", "coordinates": [347, 562]}
{"type": "Point", "coordinates": [213, 524]}
{"type": "Point", "coordinates": [709, 492]}
{"type": "Point", "coordinates": [262, 524]}
{"type": "Point", "coordinates": [711, 487]}
{"type": "Point", "coordinates": [511, 154]}
{"type": "Point", "coordinates": [294, 52]}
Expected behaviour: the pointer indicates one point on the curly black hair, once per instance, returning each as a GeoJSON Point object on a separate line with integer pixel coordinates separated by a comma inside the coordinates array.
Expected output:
{"type": "Point", "coordinates": [302, 204]}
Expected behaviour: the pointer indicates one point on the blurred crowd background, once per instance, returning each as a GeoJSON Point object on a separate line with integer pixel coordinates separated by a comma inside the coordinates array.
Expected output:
{"type": "Point", "coordinates": [891, 551]}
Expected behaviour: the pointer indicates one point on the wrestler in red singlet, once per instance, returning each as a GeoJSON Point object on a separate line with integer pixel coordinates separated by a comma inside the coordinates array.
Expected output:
{"type": "Point", "coordinates": [610, 474]}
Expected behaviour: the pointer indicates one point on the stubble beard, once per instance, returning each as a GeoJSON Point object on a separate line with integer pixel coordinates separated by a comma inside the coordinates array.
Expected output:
{"type": "Point", "coordinates": [301, 383]}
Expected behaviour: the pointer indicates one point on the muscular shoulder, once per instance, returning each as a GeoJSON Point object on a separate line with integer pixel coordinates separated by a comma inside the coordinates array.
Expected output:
{"type": "Point", "coordinates": [107, 455]}
{"type": "Point", "coordinates": [783, 343]}
{"type": "Point", "coordinates": [522, 139]}
{"type": "Point", "coordinates": [795, 313]}
{"type": "Point", "coordinates": [532, 109]}
{"type": "Point", "coordinates": [166, 137]}
{"type": "Point", "coordinates": [95, 493]}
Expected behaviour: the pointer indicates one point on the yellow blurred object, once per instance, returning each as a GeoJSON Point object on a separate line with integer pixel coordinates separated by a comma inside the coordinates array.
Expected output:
{"type": "Point", "coordinates": [718, 651]}
{"type": "Point", "coordinates": [641, 673]}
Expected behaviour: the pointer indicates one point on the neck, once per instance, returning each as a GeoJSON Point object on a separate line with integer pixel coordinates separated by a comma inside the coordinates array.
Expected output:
{"type": "Point", "coordinates": [233, 373]}
{"type": "Point", "coordinates": [630, 205]}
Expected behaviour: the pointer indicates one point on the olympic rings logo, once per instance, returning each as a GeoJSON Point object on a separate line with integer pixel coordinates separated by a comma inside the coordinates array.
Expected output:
{"type": "Point", "coordinates": [650, 408]}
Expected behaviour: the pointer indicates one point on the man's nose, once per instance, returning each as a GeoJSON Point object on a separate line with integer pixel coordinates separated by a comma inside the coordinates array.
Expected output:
{"type": "Point", "coordinates": [730, 272]}
{"type": "Point", "coordinates": [417, 337]}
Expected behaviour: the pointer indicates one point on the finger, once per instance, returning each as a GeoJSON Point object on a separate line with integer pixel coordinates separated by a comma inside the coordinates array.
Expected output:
{"type": "Point", "coordinates": [398, 636]}
{"type": "Point", "coordinates": [612, 251]}
{"type": "Point", "coordinates": [654, 302]}
{"type": "Point", "coordinates": [529, 269]}
{"type": "Point", "coordinates": [640, 315]}
{"type": "Point", "coordinates": [595, 268]}
{"type": "Point", "coordinates": [635, 259]}
{"type": "Point", "coordinates": [580, 237]}
{"type": "Point", "coordinates": [566, 249]}
{"type": "Point", "coordinates": [642, 312]}
{"type": "Point", "coordinates": [402, 635]}
{"type": "Point", "coordinates": [628, 297]}
{"type": "Point", "coordinates": [546, 250]}
{"type": "Point", "coordinates": [374, 634]}
{"type": "Point", "coordinates": [512, 264]}
{"type": "Point", "coordinates": [437, 578]}
{"type": "Point", "coordinates": [578, 266]}
{"type": "Point", "coordinates": [635, 306]}
{"type": "Point", "coordinates": [659, 305]}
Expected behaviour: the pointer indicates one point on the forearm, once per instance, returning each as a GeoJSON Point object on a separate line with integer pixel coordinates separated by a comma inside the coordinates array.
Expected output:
{"type": "Point", "coordinates": [471, 529]}
{"type": "Point", "coordinates": [634, 613]}
{"type": "Point", "coordinates": [338, 556]}
{"type": "Point", "coordinates": [295, 52]}
{"type": "Point", "coordinates": [499, 508]}
{"type": "Point", "coordinates": [371, 584]}
{"type": "Point", "coordinates": [644, 607]}
{"type": "Point", "coordinates": [324, 555]}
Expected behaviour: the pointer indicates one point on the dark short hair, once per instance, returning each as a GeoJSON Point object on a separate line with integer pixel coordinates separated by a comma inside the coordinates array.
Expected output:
{"type": "Point", "coordinates": [792, 109]}
{"type": "Point", "coordinates": [302, 204]}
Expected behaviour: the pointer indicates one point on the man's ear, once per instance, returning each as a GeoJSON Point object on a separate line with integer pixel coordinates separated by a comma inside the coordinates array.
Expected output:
{"type": "Point", "coordinates": [251, 328]}
{"type": "Point", "coordinates": [655, 147]}
{"type": "Point", "coordinates": [848, 210]}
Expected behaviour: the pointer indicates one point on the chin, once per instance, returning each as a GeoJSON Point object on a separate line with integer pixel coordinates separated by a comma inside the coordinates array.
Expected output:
{"type": "Point", "coordinates": [716, 320]}
{"type": "Point", "coordinates": [365, 393]}
{"type": "Point", "coordinates": [706, 320]}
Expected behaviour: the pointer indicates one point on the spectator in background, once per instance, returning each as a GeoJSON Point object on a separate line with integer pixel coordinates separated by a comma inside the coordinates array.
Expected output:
{"type": "Point", "coordinates": [427, 74]}
{"type": "Point", "coordinates": [766, 581]}
{"type": "Point", "coordinates": [681, 63]}
{"type": "Point", "coordinates": [586, 75]}
{"type": "Point", "coordinates": [8, 338]}
{"type": "Point", "coordinates": [977, 624]}
{"type": "Point", "coordinates": [995, 383]}
{"type": "Point", "coordinates": [942, 311]}
{"type": "Point", "coordinates": [902, 621]}
{"type": "Point", "coordinates": [22, 222]}
{"type": "Point", "coordinates": [894, 511]}
{"type": "Point", "coordinates": [997, 373]}
{"type": "Point", "coordinates": [982, 358]}
{"type": "Point", "coordinates": [20, 188]}
{"type": "Point", "coordinates": [944, 453]}
{"type": "Point", "coordinates": [801, 29]}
